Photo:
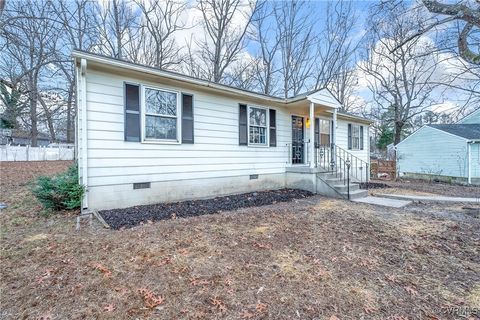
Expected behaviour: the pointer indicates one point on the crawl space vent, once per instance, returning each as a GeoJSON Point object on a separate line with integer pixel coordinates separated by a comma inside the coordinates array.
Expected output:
{"type": "Point", "coordinates": [141, 185]}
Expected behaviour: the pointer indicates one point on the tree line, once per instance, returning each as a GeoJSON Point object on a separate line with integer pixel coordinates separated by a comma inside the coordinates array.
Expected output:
{"type": "Point", "coordinates": [274, 47]}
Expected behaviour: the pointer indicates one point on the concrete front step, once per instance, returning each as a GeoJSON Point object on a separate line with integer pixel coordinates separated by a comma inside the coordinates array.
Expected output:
{"type": "Point", "coordinates": [360, 193]}
{"type": "Point", "coordinates": [343, 187]}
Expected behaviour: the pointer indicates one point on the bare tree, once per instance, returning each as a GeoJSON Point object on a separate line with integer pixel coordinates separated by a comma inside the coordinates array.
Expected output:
{"type": "Point", "coordinates": [224, 39]}
{"type": "Point", "coordinates": [160, 21]}
{"type": "Point", "coordinates": [342, 85]}
{"type": "Point", "coordinates": [115, 22]}
{"type": "Point", "coordinates": [76, 24]}
{"type": "Point", "coordinates": [266, 67]}
{"type": "Point", "coordinates": [29, 42]}
{"type": "Point", "coordinates": [336, 44]}
{"type": "Point", "coordinates": [466, 11]}
{"type": "Point", "coordinates": [296, 40]}
{"type": "Point", "coordinates": [399, 73]}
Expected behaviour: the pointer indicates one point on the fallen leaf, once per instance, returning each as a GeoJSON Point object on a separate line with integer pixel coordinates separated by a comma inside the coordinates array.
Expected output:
{"type": "Point", "coordinates": [247, 315]}
{"type": "Point", "coordinates": [151, 300]}
{"type": "Point", "coordinates": [411, 291]}
{"type": "Point", "coordinates": [261, 307]}
{"type": "Point", "coordinates": [109, 308]}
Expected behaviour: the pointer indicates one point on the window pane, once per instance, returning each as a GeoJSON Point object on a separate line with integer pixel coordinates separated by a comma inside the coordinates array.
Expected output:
{"type": "Point", "coordinates": [324, 139]}
{"type": "Point", "coordinates": [258, 117]}
{"type": "Point", "coordinates": [258, 135]}
{"type": "Point", "coordinates": [161, 102]}
{"type": "Point", "coordinates": [132, 97]}
{"type": "Point", "coordinates": [325, 126]}
{"type": "Point", "coordinates": [160, 128]}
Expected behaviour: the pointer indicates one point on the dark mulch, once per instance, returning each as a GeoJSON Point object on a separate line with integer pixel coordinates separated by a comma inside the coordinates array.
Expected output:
{"type": "Point", "coordinates": [130, 217]}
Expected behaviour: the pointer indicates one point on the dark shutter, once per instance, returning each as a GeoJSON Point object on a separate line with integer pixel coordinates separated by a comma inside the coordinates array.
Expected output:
{"type": "Point", "coordinates": [187, 118]}
{"type": "Point", "coordinates": [317, 132]}
{"type": "Point", "coordinates": [132, 112]}
{"type": "Point", "coordinates": [361, 137]}
{"type": "Point", "coordinates": [273, 128]}
{"type": "Point", "coordinates": [242, 125]}
{"type": "Point", "coordinates": [349, 136]}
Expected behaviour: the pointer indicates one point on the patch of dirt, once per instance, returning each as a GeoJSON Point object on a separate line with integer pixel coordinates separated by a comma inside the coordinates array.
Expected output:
{"type": "Point", "coordinates": [130, 217]}
{"type": "Point", "coordinates": [313, 258]}
{"type": "Point", "coordinates": [422, 187]}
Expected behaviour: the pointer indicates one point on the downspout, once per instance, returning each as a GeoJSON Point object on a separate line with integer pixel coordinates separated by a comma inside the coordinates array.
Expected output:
{"type": "Point", "coordinates": [334, 138]}
{"type": "Point", "coordinates": [83, 105]}
{"type": "Point", "coordinates": [469, 159]}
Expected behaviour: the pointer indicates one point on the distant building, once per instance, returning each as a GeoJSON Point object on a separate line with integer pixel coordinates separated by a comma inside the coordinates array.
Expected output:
{"type": "Point", "coordinates": [19, 137]}
{"type": "Point", "coordinates": [449, 152]}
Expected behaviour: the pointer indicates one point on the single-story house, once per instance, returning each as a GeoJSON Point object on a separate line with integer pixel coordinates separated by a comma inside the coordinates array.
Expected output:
{"type": "Point", "coordinates": [147, 136]}
{"type": "Point", "coordinates": [20, 137]}
{"type": "Point", "coordinates": [449, 152]}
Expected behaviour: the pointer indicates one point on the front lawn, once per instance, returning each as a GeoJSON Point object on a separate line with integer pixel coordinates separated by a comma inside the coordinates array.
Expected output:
{"type": "Point", "coordinates": [313, 258]}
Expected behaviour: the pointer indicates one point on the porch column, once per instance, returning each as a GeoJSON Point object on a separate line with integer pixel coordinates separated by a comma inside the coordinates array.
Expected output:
{"type": "Point", "coordinates": [311, 145]}
{"type": "Point", "coordinates": [334, 138]}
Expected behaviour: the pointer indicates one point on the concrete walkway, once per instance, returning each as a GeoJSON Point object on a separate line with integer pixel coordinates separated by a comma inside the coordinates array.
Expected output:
{"type": "Point", "coordinates": [430, 198]}
{"type": "Point", "coordinates": [386, 202]}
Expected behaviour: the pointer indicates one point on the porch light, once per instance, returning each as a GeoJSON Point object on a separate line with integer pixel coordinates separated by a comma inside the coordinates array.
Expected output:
{"type": "Point", "coordinates": [307, 123]}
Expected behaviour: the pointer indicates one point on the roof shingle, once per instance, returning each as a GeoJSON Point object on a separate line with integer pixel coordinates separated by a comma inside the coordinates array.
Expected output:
{"type": "Point", "coordinates": [467, 131]}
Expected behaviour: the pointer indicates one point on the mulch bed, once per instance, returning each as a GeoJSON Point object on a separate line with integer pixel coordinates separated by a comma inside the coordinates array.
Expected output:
{"type": "Point", "coordinates": [130, 217]}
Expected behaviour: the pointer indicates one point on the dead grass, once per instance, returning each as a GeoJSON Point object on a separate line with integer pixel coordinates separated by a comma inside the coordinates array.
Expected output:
{"type": "Point", "coordinates": [311, 259]}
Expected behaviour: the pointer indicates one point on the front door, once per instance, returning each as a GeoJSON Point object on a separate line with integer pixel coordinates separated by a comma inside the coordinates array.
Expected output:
{"type": "Point", "coordinates": [297, 140]}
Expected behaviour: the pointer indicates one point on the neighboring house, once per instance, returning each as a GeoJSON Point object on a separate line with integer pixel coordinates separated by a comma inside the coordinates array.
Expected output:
{"type": "Point", "coordinates": [449, 152]}
{"type": "Point", "coordinates": [473, 117]}
{"type": "Point", "coordinates": [19, 137]}
{"type": "Point", "coordinates": [148, 136]}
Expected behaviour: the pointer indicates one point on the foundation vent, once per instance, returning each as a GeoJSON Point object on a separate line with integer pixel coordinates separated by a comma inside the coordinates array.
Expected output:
{"type": "Point", "coordinates": [141, 185]}
{"type": "Point", "coordinates": [253, 176]}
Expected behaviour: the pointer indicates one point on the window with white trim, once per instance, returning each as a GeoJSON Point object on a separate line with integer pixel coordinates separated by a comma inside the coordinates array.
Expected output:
{"type": "Point", "coordinates": [355, 137]}
{"type": "Point", "coordinates": [324, 132]}
{"type": "Point", "coordinates": [257, 126]}
{"type": "Point", "coordinates": [161, 114]}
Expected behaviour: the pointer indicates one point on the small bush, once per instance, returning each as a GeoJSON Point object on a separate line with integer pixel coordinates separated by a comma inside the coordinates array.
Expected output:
{"type": "Point", "coordinates": [60, 192]}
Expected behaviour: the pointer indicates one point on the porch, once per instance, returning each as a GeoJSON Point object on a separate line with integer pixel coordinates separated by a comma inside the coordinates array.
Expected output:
{"type": "Point", "coordinates": [315, 161]}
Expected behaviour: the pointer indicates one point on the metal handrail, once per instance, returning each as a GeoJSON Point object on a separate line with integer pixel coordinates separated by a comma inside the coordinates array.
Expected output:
{"type": "Point", "coordinates": [356, 165]}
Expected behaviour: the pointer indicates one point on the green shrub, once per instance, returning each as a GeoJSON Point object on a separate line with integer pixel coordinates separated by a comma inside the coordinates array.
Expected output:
{"type": "Point", "coordinates": [60, 192]}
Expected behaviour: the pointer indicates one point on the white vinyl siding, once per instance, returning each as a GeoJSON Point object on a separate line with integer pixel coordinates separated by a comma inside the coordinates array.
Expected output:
{"type": "Point", "coordinates": [215, 164]}
{"type": "Point", "coordinates": [434, 152]}
{"type": "Point", "coordinates": [215, 153]}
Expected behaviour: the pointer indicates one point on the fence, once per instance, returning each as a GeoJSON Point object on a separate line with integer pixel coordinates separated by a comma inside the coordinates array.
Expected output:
{"type": "Point", "coordinates": [27, 153]}
{"type": "Point", "coordinates": [383, 169]}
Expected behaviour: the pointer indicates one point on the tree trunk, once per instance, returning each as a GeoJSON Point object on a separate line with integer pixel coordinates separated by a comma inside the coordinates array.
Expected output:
{"type": "Point", "coordinates": [398, 133]}
{"type": "Point", "coordinates": [69, 113]}
{"type": "Point", "coordinates": [33, 113]}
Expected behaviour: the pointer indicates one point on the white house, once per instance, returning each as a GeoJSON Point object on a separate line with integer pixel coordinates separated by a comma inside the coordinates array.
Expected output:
{"type": "Point", "coordinates": [448, 152]}
{"type": "Point", "coordinates": [148, 136]}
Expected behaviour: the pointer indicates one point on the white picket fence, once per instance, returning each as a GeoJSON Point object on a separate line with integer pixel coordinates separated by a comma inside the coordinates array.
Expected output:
{"type": "Point", "coordinates": [27, 153]}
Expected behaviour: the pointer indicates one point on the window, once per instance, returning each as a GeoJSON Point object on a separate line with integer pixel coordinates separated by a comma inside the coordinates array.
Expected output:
{"type": "Point", "coordinates": [161, 114]}
{"type": "Point", "coordinates": [324, 132]}
{"type": "Point", "coordinates": [257, 126]}
{"type": "Point", "coordinates": [355, 137]}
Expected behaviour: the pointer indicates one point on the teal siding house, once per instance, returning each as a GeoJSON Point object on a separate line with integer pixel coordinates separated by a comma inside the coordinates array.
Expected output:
{"type": "Point", "coordinates": [449, 152]}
